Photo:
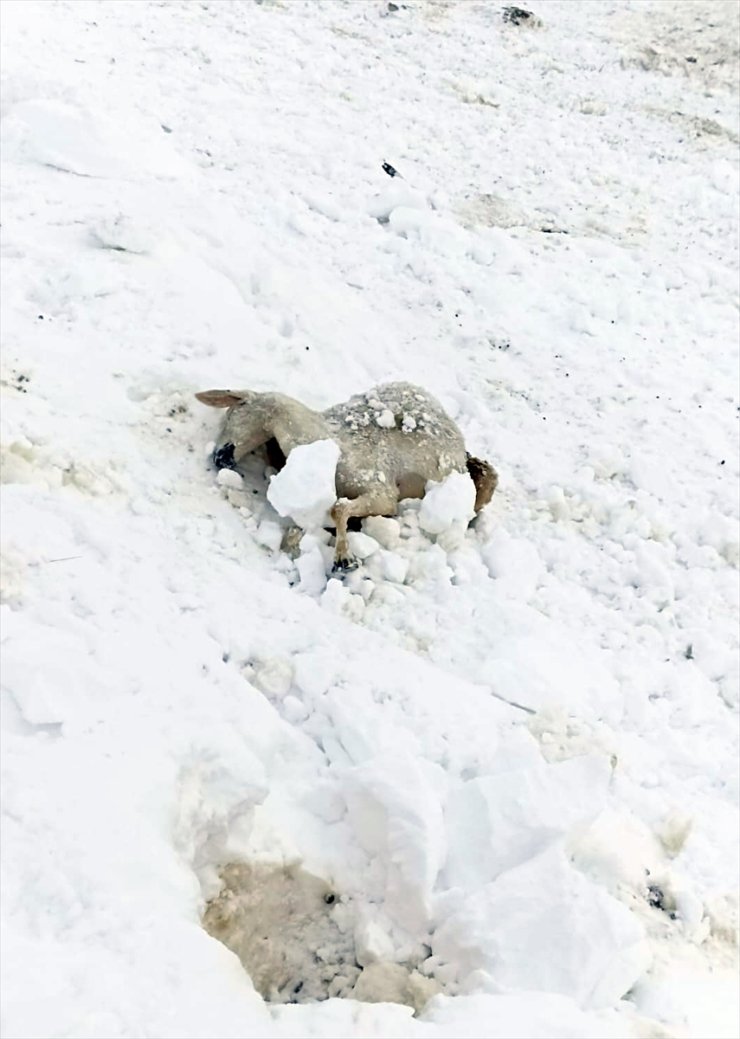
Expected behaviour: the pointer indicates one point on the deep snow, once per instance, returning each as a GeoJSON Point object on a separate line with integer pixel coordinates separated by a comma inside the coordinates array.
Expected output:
{"type": "Point", "coordinates": [510, 751]}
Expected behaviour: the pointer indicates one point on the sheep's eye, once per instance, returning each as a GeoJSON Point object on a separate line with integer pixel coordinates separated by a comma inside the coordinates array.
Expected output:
{"type": "Point", "coordinates": [330, 899]}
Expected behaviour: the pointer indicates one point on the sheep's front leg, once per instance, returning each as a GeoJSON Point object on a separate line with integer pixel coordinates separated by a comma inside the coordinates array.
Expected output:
{"type": "Point", "coordinates": [381, 501]}
{"type": "Point", "coordinates": [291, 543]}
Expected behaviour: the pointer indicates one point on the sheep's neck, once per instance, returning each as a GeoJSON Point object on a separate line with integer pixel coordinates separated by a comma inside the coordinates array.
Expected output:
{"type": "Point", "coordinates": [292, 424]}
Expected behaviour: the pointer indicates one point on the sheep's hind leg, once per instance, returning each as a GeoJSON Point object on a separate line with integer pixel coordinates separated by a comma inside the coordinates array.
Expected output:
{"type": "Point", "coordinates": [379, 502]}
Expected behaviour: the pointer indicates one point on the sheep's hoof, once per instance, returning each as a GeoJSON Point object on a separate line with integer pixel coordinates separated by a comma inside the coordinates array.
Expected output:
{"type": "Point", "coordinates": [345, 566]}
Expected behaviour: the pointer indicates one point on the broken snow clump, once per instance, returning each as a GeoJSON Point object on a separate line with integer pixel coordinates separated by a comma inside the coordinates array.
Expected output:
{"type": "Point", "coordinates": [448, 504]}
{"type": "Point", "coordinates": [305, 489]}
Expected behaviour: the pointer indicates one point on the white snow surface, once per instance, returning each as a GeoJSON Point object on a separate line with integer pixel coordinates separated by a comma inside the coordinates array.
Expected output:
{"type": "Point", "coordinates": [304, 489]}
{"type": "Point", "coordinates": [510, 749]}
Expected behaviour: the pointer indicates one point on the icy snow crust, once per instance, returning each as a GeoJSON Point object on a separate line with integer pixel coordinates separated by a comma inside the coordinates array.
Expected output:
{"type": "Point", "coordinates": [509, 751]}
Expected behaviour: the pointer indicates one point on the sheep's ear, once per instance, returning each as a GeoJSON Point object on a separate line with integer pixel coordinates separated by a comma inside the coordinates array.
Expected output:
{"type": "Point", "coordinates": [220, 398]}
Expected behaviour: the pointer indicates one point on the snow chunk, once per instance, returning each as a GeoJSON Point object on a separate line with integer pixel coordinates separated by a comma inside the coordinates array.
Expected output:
{"type": "Point", "coordinates": [408, 425]}
{"type": "Point", "coordinates": [394, 983]}
{"type": "Point", "coordinates": [372, 943]}
{"type": "Point", "coordinates": [305, 488]}
{"type": "Point", "coordinates": [394, 567]}
{"type": "Point", "coordinates": [544, 926]}
{"type": "Point", "coordinates": [498, 822]}
{"type": "Point", "coordinates": [270, 534]}
{"type": "Point", "coordinates": [515, 562]}
{"type": "Point", "coordinates": [385, 530]}
{"type": "Point", "coordinates": [617, 849]}
{"type": "Point", "coordinates": [129, 234]}
{"type": "Point", "coordinates": [386, 419]}
{"type": "Point", "coordinates": [274, 677]}
{"type": "Point", "coordinates": [394, 195]}
{"type": "Point", "coordinates": [393, 804]}
{"type": "Point", "coordinates": [229, 478]}
{"type": "Point", "coordinates": [361, 545]}
{"type": "Point", "coordinates": [447, 503]}
{"type": "Point", "coordinates": [311, 567]}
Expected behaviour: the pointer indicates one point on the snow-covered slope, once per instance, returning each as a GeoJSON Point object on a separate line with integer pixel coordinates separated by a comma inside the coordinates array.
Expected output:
{"type": "Point", "coordinates": [499, 764]}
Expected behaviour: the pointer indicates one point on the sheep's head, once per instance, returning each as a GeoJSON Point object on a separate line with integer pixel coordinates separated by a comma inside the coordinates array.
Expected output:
{"type": "Point", "coordinates": [243, 428]}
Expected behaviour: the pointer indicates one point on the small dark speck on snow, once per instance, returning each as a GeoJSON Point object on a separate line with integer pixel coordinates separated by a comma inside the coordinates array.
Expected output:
{"type": "Point", "coordinates": [655, 896]}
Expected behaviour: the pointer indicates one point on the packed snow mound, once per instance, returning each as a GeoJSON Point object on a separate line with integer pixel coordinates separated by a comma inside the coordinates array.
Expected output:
{"type": "Point", "coordinates": [305, 488]}
{"type": "Point", "coordinates": [449, 503]}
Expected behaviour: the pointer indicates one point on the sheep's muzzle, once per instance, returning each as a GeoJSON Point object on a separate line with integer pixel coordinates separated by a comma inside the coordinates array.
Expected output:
{"type": "Point", "coordinates": [223, 457]}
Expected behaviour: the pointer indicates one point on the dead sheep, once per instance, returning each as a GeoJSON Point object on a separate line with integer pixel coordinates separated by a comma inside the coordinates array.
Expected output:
{"type": "Point", "coordinates": [393, 439]}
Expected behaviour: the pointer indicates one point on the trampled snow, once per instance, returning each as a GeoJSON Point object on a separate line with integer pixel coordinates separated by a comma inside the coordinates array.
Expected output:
{"type": "Point", "coordinates": [486, 784]}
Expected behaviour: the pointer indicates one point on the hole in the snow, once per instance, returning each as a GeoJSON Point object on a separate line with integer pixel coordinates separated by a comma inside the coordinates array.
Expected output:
{"type": "Point", "coordinates": [295, 938]}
